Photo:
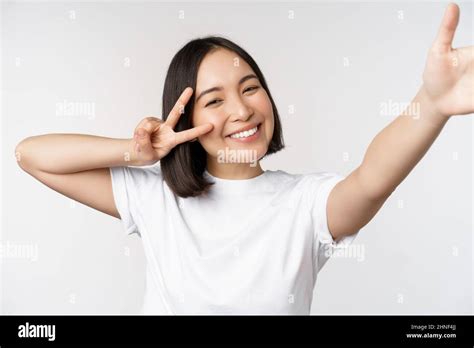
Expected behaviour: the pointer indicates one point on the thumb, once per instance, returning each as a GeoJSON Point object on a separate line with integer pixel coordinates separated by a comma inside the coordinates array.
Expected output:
{"type": "Point", "coordinates": [444, 39]}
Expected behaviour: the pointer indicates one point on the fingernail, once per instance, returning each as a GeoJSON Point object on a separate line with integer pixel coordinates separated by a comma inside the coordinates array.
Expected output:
{"type": "Point", "coordinates": [141, 132]}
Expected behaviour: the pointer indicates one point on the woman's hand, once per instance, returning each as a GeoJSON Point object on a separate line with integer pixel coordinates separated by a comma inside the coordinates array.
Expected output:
{"type": "Point", "coordinates": [154, 138]}
{"type": "Point", "coordinates": [448, 78]}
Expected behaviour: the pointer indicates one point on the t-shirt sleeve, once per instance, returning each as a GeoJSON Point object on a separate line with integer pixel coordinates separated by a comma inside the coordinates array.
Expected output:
{"type": "Point", "coordinates": [123, 191]}
{"type": "Point", "coordinates": [324, 244]}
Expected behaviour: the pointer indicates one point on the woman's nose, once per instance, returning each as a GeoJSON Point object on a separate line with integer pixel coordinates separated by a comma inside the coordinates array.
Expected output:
{"type": "Point", "coordinates": [239, 111]}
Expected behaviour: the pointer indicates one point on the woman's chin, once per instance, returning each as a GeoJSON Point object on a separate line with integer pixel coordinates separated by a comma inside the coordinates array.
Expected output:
{"type": "Point", "coordinates": [241, 154]}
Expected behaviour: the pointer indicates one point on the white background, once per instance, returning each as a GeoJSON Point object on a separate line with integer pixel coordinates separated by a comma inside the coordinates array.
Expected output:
{"type": "Point", "coordinates": [333, 63]}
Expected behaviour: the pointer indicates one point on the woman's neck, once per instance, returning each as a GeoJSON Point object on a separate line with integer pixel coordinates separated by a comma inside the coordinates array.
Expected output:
{"type": "Point", "coordinates": [233, 171]}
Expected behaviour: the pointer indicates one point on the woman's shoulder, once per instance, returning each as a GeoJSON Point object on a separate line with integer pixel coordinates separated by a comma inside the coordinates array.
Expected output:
{"type": "Point", "coordinates": [304, 181]}
{"type": "Point", "coordinates": [281, 175]}
{"type": "Point", "coordinates": [136, 176]}
{"type": "Point", "coordinates": [144, 170]}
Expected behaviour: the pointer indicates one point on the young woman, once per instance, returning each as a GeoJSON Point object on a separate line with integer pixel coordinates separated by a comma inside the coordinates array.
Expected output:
{"type": "Point", "coordinates": [220, 234]}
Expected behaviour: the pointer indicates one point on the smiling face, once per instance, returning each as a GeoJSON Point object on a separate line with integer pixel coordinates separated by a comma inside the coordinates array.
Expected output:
{"type": "Point", "coordinates": [229, 95]}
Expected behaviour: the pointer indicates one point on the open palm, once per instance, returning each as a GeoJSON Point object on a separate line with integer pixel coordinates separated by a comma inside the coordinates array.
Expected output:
{"type": "Point", "coordinates": [449, 73]}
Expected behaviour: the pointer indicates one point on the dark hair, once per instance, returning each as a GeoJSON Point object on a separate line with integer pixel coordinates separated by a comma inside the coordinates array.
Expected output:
{"type": "Point", "coordinates": [184, 165]}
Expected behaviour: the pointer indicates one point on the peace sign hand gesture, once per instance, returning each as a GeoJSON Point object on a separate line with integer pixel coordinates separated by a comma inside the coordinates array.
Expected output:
{"type": "Point", "coordinates": [448, 77]}
{"type": "Point", "coordinates": [154, 138]}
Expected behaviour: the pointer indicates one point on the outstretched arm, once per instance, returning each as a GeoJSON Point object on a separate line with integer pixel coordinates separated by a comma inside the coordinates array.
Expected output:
{"type": "Point", "coordinates": [448, 89]}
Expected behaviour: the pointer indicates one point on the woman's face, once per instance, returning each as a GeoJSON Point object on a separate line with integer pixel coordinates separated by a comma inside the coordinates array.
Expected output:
{"type": "Point", "coordinates": [229, 95]}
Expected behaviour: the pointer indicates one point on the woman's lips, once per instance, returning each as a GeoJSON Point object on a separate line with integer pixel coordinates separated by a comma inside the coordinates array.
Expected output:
{"type": "Point", "coordinates": [248, 139]}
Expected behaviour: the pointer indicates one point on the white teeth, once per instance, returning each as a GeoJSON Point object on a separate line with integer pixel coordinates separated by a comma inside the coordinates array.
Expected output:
{"type": "Point", "coordinates": [245, 134]}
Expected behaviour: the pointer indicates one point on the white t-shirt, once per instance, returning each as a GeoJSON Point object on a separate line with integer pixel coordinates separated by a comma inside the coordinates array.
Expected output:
{"type": "Point", "coordinates": [251, 246]}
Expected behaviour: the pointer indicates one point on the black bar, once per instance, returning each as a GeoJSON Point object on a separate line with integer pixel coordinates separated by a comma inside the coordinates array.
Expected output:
{"type": "Point", "coordinates": [134, 330]}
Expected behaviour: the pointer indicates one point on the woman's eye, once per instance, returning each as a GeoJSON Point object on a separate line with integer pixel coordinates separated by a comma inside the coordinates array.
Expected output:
{"type": "Point", "coordinates": [251, 88]}
{"type": "Point", "coordinates": [212, 102]}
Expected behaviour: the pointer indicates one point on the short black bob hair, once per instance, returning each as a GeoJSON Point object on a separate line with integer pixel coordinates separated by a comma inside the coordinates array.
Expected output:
{"type": "Point", "coordinates": [183, 167]}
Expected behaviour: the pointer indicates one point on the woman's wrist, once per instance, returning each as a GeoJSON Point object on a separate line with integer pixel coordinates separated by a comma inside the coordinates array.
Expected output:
{"type": "Point", "coordinates": [128, 154]}
{"type": "Point", "coordinates": [131, 156]}
{"type": "Point", "coordinates": [429, 113]}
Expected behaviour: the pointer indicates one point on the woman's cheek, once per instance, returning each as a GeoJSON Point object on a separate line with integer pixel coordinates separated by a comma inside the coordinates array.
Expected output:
{"type": "Point", "coordinates": [212, 142]}
{"type": "Point", "coordinates": [200, 119]}
{"type": "Point", "coordinates": [270, 129]}
{"type": "Point", "coordinates": [264, 105]}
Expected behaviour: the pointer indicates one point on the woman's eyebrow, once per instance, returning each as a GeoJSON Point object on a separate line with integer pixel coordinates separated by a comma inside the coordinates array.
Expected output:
{"type": "Point", "coordinates": [219, 88]}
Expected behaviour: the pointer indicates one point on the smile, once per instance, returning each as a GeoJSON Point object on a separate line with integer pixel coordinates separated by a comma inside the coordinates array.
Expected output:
{"type": "Point", "coordinates": [246, 136]}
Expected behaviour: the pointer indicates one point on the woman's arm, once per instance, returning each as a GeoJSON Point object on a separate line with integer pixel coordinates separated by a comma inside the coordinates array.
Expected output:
{"type": "Point", "coordinates": [390, 157]}
{"type": "Point", "coordinates": [71, 153]}
{"type": "Point", "coordinates": [76, 165]}
{"type": "Point", "coordinates": [396, 150]}
{"type": "Point", "coordinates": [448, 84]}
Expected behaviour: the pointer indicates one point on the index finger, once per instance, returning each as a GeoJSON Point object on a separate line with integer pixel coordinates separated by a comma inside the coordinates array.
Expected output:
{"type": "Point", "coordinates": [190, 134]}
{"type": "Point", "coordinates": [178, 107]}
{"type": "Point", "coordinates": [447, 28]}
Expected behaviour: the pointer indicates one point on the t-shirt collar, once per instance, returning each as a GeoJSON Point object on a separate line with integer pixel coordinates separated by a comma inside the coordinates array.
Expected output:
{"type": "Point", "coordinates": [255, 184]}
